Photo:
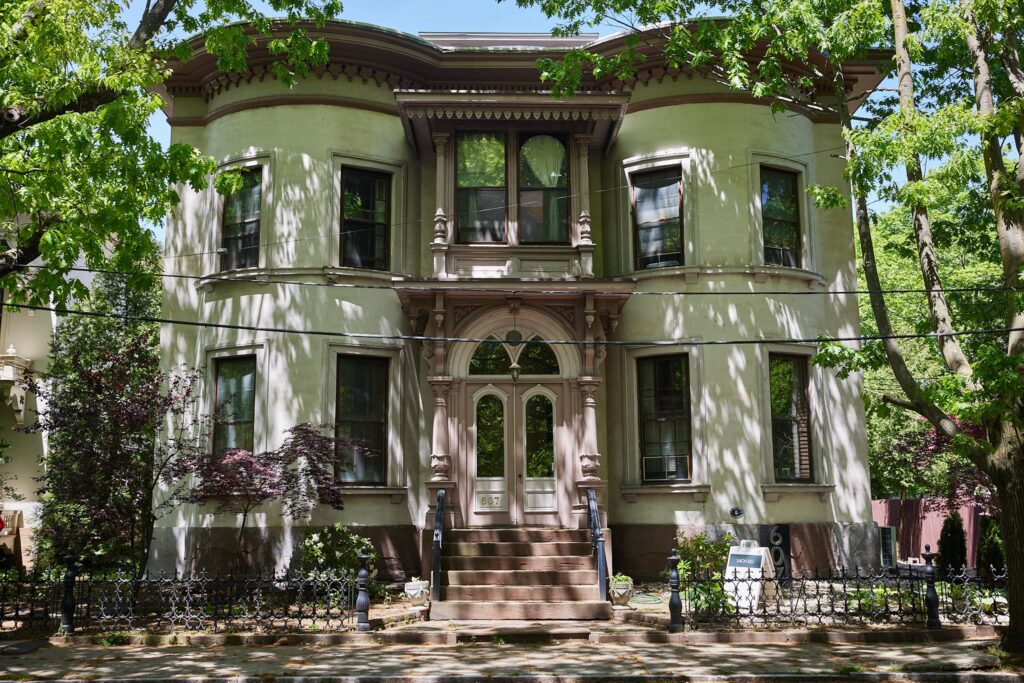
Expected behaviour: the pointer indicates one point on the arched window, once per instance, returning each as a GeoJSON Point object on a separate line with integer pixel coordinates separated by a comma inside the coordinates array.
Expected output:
{"type": "Point", "coordinates": [490, 358]}
{"type": "Point", "coordinates": [538, 359]}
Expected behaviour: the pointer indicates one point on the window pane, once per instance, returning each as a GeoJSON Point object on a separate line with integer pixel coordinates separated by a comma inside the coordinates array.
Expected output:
{"type": "Point", "coordinates": [543, 163]}
{"type": "Point", "coordinates": [481, 160]}
{"type": "Point", "coordinates": [490, 358]}
{"type": "Point", "coordinates": [540, 437]}
{"type": "Point", "coordinates": [490, 437]}
{"type": "Point", "coordinates": [240, 226]}
{"type": "Point", "coordinates": [544, 216]}
{"type": "Point", "coordinates": [481, 215]}
{"type": "Point", "coordinates": [663, 385]}
{"type": "Point", "coordinates": [791, 438]}
{"type": "Point", "coordinates": [235, 407]}
{"type": "Point", "coordinates": [656, 216]}
{"type": "Point", "coordinates": [365, 218]}
{"type": "Point", "coordinates": [538, 359]}
{"type": "Point", "coordinates": [361, 418]}
{"type": "Point", "coordinates": [779, 195]}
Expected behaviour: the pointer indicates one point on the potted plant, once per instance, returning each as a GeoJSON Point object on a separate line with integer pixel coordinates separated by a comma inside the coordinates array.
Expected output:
{"type": "Point", "coordinates": [418, 591]}
{"type": "Point", "coordinates": [620, 589]}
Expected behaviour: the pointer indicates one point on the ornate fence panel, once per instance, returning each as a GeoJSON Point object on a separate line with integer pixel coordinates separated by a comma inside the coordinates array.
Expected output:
{"type": "Point", "coordinates": [171, 602]}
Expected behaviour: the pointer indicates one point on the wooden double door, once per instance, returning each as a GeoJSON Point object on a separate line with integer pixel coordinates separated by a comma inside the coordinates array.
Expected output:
{"type": "Point", "coordinates": [514, 447]}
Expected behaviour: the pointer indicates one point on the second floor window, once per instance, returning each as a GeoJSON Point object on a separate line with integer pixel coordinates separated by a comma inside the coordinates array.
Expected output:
{"type": "Point", "coordinates": [791, 418]}
{"type": "Point", "coordinates": [365, 218]}
{"type": "Point", "coordinates": [240, 231]}
{"type": "Point", "coordinates": [480, 191]}
{"type": "Point", "coordinates": [657, 223]}
{"type": "Point", "coordinates": [234, 403]}
{"type": "Point", "coordinates": [780, 217]}
{"type": "Point", "coordinates": [665, 445]}
{"type": "Point", "coordinates": [543, 190]}
{"type": "Point", "coordinates": [361, 418]}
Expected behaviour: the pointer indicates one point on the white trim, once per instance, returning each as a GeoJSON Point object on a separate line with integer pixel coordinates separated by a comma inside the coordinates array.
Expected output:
{"type": "Point", "coordinates": [808, 235]}
{"type": "Point", "coordinates": [394, 474]}
{"type": "Point", "coordinates": [683, 157]}
{"type": "Point", "coordinates": [398, 228]}
{"type": "Point", "coordinates": [632, 474]}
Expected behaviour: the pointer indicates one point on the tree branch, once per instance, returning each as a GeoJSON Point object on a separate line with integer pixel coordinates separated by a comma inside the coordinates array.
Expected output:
{"type": "Point", "coordinates": [21, 25]}
{"type": "Point", "coordinates": [24, 253]}
{"type": "Point", "coordinates": [900, 403]}
{"type": "Point", "coordinates": [152, 21]}
{"type": "Point", "coordinates": [16, 120]}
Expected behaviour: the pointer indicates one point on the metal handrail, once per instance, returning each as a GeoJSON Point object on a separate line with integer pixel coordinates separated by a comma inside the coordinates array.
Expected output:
{"type": "Point", "coordinates": [435, 574]}
{"type": "Point", "coordinates": [597, 541]}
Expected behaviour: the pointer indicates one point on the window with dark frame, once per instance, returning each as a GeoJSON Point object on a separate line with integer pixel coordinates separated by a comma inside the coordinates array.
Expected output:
{"type": "Point", "coordinates": [480, 187]}
{"type": "Point", "coordinates": [663, 385]}
{"type": "Point", "coordinates": [361, 418]}
{"type": "Point", "coordinates": [788, 380]}
{"type": "Point", "coordinates": [780, 217]}
{"type": "Point", "coordinates": [543, 190]}
{"type": "Point", "coordinates": [234, 404]}
{"type": "Point", "coordinates": [657, 222]}
{"type": "Point", "coordinates": [240, 225]}
{"type": "Point", "coordinates": [365, 218]}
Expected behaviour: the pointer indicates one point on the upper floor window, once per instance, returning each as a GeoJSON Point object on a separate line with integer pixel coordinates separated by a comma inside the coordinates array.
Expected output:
{"type": "Point", "coordinates": [234, 403]}
{"type": "Point", "coordinates": [361, 418]}
{"type": "Point", "coordinates": [791, 418]}
{"type": "Point", "coordinates": [657, 223]}
{"type": "Point", "coordinates": [483, 208]}
{"type": "Point", "coordinates": [780, 217]}
{"type": "Point", "coordinates": [365, 218]}
{"type": "Point", "coordinates": [665, 439]}
{"type": "Point", "coordinates": [240, 231]}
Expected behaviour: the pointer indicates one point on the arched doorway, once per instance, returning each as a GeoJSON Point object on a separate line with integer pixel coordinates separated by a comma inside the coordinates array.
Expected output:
{"type": "Point", "coordinates": [515, 411]}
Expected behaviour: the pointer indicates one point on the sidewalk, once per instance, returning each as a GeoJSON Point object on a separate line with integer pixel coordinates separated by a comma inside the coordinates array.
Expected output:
{"type": "Point", "coordinates": [563, 662]}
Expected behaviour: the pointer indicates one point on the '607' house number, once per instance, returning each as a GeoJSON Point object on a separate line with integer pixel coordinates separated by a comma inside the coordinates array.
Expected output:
{"type": "Point", "coordinates": [490, 501]}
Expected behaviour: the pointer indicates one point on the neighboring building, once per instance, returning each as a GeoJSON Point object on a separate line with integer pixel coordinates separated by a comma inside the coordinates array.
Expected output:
{"type": "Point", "coordinates": [429, 186]}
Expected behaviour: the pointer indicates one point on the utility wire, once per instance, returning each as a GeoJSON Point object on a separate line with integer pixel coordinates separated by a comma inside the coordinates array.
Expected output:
{"type": "Point", "coordinates": [491, 340]}
{"type": "Point", "coordinates": [515, 287]}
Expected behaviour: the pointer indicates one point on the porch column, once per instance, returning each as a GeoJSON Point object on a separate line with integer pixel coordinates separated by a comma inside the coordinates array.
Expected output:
{"type": "Point", "coordinates": [440, 458]}
{"type": "Point", "coordinates": [584, 239]}
{"type": "Point", "coordinates": [439, 245]}
{"type": "Point", "coordinates": [590, 459]}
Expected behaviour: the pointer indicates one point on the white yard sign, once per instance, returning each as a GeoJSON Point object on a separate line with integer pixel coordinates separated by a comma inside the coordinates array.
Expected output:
{"type": "Point", "coordinates": [748, 565]}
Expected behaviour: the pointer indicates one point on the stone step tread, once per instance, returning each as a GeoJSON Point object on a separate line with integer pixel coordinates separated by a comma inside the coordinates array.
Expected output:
{"type": "Point", "coordinates": [520, 534]}
{"type": "Point", "coordinates": [521, 609]}
{"type": "Point", "coordinates": [517, 548]}
{"type": "Point", "coordinates": [512, 562]}
{"type": "Point", "coordinates": [521, 593]}
{"type": "Point", "coordinates": [525, 577]}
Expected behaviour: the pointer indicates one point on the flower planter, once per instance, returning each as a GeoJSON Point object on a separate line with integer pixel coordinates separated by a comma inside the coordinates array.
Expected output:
{"type": "Point", "coordinates": [418, 592]}
{"type": "Point", "coordinates": [620, 592]}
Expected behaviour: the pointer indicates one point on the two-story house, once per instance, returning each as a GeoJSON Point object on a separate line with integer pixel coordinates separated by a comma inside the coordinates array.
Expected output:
{"type": "Point", "coordinates": [515, 298]}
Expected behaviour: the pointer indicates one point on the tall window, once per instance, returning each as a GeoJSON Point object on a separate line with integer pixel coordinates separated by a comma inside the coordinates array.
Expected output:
{"type": "Point", "coordinates": [365, 215]}
{"type": "Point", "coordinates": [780, 217]}
{"type": "Point", "coordinates": [791, 418]}
{"type": "Point", "coordinates": [543, 190]}
{"type": "Point", "coordinates": [480, 187]}
{"type": "Point", "coordinates": [665, 447]}
{"type": "Point", "coordinates": [361, 418]}
{"type": "Point", "coordinates": [234, 403]}
{"type": "Point", "coordinates": [240, 234]}
{"type": "Point", "coordinates": [657, 227]}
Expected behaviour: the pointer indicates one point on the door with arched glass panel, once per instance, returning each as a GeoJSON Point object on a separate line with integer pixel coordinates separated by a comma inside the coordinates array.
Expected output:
{"type": "Point", "coordinates": [514, 443]}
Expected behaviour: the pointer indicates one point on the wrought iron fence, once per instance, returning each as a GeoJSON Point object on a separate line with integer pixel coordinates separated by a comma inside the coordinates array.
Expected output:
{"type": "Point", "coordinates": [841, 598]}
{"type": "Point", "coordinates": [171, 602]}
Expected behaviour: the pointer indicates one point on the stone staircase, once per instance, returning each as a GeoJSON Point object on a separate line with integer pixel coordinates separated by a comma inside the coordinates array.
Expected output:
{"type": "Point", "coordinates": [519, 573]}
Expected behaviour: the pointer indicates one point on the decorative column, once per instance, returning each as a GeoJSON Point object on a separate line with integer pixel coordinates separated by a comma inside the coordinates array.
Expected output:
{"type": "Point", "coordinates": [584, 238]}
{"type": "Point", "coordinates": [439, 244]}
{"type": "Point", "coordinates": [440, 458]}
{"type": "Point", "coordinates": [590, 459]}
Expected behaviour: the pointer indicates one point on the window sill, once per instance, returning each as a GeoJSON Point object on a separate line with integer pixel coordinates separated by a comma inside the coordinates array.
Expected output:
{"type": "Point", "coordinates": [774, 492]}
{"type": "Point", "coordinates": [328, 274]}
{"type": "Point", "coordinates": [397, 493]}
{"type": "Point", "coordinates": [692, 274]}
{"type": "Point", "coordinates": [699, 492]}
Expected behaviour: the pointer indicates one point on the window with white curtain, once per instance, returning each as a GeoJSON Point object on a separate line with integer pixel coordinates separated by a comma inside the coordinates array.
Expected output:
{"type": "Point", "coordinates": [543, 190]}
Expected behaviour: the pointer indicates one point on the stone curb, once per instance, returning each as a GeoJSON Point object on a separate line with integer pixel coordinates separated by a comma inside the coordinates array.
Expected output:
{"type": "Point", "coordinates": [936, 677]}
{"type": "Point", "coordinates": [470, 635]}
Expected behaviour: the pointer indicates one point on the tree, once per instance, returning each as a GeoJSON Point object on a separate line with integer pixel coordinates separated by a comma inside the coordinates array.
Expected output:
{"type": "Point", "coordinates": [966, 94]}
{"type": "Point", "coordinates": [299, 474]}
{"type": "Point", "coordinates": [80, 177]}
{"type": "Point", "coordinates": [952, 545]}
{"type": "Point", "coordinates": [6, 490]}
{"type": "Point", "coordinates": [104, 400]}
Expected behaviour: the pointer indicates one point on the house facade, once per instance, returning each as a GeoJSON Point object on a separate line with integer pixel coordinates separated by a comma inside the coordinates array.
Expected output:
{"type": "Point", "coordinates": [516, 298]}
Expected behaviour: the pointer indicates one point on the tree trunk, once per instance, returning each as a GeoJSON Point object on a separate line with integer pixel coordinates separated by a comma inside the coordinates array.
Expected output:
{"type": "Point", "coordinates": [1008, 476]}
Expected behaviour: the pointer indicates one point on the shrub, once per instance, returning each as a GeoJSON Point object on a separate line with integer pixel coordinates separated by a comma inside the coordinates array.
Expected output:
{"type": "Point", "coordinates": [990, 547]}
{"type": "Point", "coordinates": [335, 549]}
{"type": "Point", "coordinates": [952, 545]}
{"type": "Point", "coordinates": [701, 568]}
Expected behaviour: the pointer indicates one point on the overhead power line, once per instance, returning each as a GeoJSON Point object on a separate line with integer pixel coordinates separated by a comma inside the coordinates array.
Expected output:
{"type": "Point", "coordinates": [491, 340]}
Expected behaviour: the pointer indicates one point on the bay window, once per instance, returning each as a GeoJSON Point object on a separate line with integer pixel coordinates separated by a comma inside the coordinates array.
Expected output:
{"type": "Point", "coordinates": [788, 380]}
{"type": "Point", "coordinates": [665, 438]}
{"type": "Point", "coordinates": [365, 218]}
{"type": "Point", "coordinates": [234, 404]}
{"type": "Point", "coordinates": [780, 217]}
{"type": "Point", "coordinates": [657, 221]}
{"type": "Point", "coordinates": [361, 418]}
{"type": "Point", "coordinates": [240, 224]}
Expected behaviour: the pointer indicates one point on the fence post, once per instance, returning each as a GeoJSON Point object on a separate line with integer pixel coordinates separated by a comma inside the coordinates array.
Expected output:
{"type": "Point", "coordinates": [363, 598]}
{"type": "Point", "coordinates": [675, 604]}
{"type": "Point", "coordinates": [67, 604]}
{"type": "Point", "coordinates": [931, 597]}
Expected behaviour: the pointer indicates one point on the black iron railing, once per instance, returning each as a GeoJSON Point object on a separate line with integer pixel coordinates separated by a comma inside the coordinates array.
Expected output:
{"type": "Point", "coordinates": [121, 600]}
{"type": "Point", "coordinates": [597, 541]}
{"type": "Point", "coordinates": [435, 571]}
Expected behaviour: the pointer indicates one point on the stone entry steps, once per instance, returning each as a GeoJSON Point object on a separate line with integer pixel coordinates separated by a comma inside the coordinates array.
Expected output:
{"type": "Point", "coordinates": [519, 573]}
